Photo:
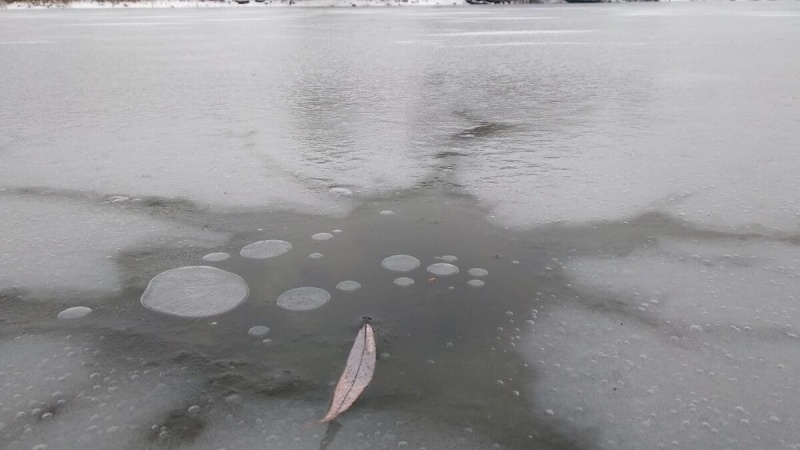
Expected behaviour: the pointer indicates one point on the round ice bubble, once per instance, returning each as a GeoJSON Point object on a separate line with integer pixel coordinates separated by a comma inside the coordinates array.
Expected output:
{"type": "Point", "coordinates": [315, 255]}
{"type": "Point", "coordinates": [475, 283]}
{"type": "Point", "coordinates": [387, 213]}
{"type": "Point", "coordinates": [400, 263]}
{"type": "Point", "coordinates": [403, 281]}
{"type": "Point", "coordinates": [76, 312]}
{"type": "Point", "coordinates": [195, 291]}
{"type": "Point", "coordinates": [442, 269]}
{"type": "Point", "coordinates": [322, 236]}
{"type": "Point", "coordinates": [348, 286]}
{"type": "Point", "coordinates": [258, 331]}
{"type": "Point", "coordinates": [303, 298]}
{"type": "Point", "coordinates": [449, 258]}
{"type": "Point", "coordinates": [216, 257]}
{"type": "Point", "coordinates": [265, 249]}
{"type": "Point", "coordinates": [478, 272]}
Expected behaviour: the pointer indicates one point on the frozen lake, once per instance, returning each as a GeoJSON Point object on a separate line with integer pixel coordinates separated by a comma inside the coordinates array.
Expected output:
{"type": "Point", "coordinates": [593, 214]}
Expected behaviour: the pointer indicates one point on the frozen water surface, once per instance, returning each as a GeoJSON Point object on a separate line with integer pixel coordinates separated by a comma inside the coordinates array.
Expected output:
{"type": "Point", "coordinates": [265, 249]}
{"type": "Point", "coordinates": [303, 299]}
{"type": "Point", "coordinates": [400, 263]}
{"type": "Point", "coordinates": [195, 291]}
{"type": "Point", "coordinates": [644, 170]}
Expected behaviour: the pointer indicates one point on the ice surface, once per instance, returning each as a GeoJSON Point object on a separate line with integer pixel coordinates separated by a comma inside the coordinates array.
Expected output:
{"type": "Point", "coordinates": [303, 298]}
{"type": "Point", "coordinates": [403, 281]}
{"type": "Point", "coordinates": [348, 286]}
{"type": "Point", "coordinates": [691, 345]}
{"type": "Point", "coordinates": [737, 283]}
{"type": "Point", "coordinates": [442, 269]}
{"type": "Point", "coordinates": [478, 272]}
{"type": "Point", "coordinates": [56, 393]}
{"type": "Point", "coordinates": [75, 312]}
{"type": "Point", "coordinates": [400, 263]}
{"type": "Point", "coordinates": [195, 291]}
{"type": "Point", "coordinates": [265, 249]}
{"type": "Point", "coordinates": [216, 257]}
{"type": "Point", "coordinates": [56, 245]}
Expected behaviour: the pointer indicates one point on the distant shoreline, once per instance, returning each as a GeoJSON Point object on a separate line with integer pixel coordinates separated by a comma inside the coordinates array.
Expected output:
{"type": "Point", "coordinates": [95, 4]}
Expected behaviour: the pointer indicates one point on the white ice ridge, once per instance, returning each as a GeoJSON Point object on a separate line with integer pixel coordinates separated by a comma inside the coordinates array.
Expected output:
{"type": "Point", "coordinates": [62, 246]}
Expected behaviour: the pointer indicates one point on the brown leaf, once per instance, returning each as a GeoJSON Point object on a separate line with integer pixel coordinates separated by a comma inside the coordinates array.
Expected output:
{"type": "Point", "coordinates": [357, 373]}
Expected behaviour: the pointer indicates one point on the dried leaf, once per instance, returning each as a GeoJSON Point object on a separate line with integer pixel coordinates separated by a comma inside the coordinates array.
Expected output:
{"type": "Point", "coordinates": [357, 373]}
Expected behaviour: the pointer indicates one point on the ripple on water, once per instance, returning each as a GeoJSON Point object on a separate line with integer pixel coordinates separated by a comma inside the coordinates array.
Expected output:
{"type": "Point", "coordinates": [216, 257]}
{"type": "Point", "coordinates": [265, 249]}
{"type": "Point", "coordinates": [403, 281]}
{"type": "Point", "coordinates": [76, 312]}
{"type": "Point", "coordinates": [348, 286]}
{"type": "Point", "coordinates": [258, 331]}
{"type": "Point", "coordinates": [195, 291]}
{"type": "Point", "coordinates": [322, 236]}
{"type": "Point", "coordinates": [476, 283]}
{"type": "Point", "coordinates": [478, 272]}
{"type": "Point", "coordinates": [442, 269]}
{"type": "Point", "coordinates": [303, 298]}
{"type": "Point", "coordinates": [400, 263]}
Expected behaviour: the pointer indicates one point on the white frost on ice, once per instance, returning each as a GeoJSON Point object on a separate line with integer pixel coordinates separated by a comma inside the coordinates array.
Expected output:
{"type": "Point", "coordinates": [265, 249]}
{"type": "Point", "coordinates": [195, 291]}
{"type": "Point", "coordinates": [303, 298]}
{"type": "Point", "coordinates": [66, 247]}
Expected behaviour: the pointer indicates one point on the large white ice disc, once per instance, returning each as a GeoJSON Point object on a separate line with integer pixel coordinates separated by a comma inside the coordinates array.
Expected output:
{"type": "Point", "coordinates": [195, 291]}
